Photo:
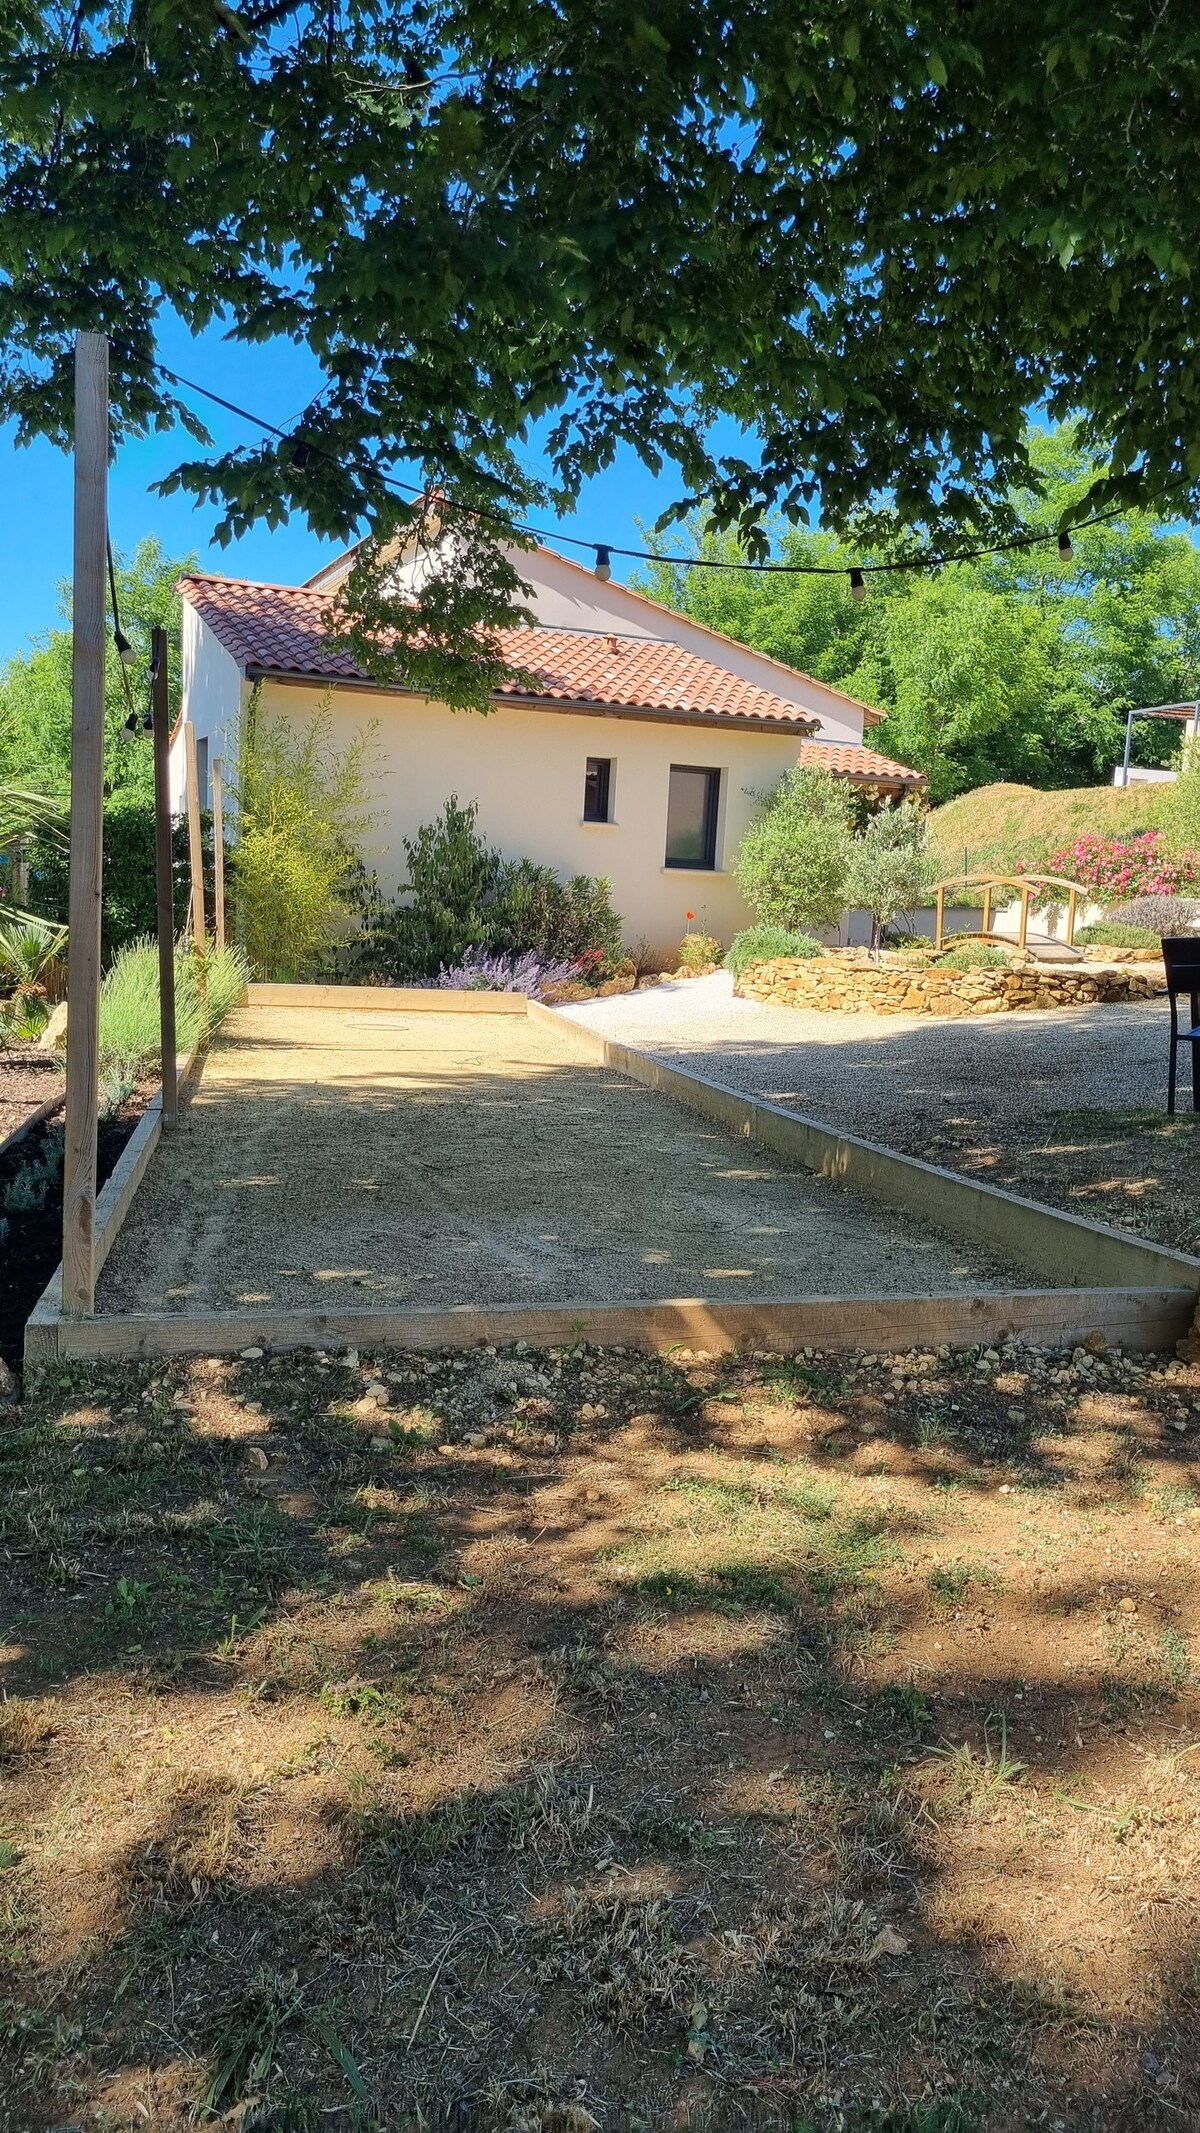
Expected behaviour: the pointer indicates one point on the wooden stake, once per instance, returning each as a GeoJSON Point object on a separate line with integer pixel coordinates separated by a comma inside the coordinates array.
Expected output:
{"type": "Point", "coordinates": [218, 820]}
{"type": "Point", "coordinates": [87, 822]}
{"type": "Point", "coordinates": [195, 849]}
{"type": "Point", "coordinates": [163, 878]}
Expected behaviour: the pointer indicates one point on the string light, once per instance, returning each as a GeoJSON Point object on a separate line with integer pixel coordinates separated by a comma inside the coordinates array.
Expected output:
{"type": "Point", "coordinates": [305, 450]}
{"type": "Point", "coordinates": [125, 651]}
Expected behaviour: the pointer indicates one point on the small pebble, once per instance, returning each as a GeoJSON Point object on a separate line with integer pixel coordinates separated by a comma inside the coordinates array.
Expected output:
{"type": "Point", "coordinates": [251, 1355]}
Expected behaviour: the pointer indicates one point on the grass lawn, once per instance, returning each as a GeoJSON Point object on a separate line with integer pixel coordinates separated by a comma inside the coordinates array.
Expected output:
{"type": "Point", "coordinates": [999, 825]}
{"type": "Point", "coordinates": [540, 1741]}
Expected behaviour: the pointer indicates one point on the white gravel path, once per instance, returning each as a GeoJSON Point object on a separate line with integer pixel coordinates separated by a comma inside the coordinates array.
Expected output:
{"type": "Point", "coordinates": [895, 1078]}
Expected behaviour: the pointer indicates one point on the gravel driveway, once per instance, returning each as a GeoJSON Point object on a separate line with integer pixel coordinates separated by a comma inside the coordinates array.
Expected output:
{"type": "Point", "coordinates": [895, 1078]}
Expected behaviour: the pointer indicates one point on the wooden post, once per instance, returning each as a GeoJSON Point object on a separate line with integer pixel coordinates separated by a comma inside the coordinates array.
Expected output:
{"type": "Point", "coordinates": [1024, 928]}
{"type": "Point", "coordinates": [987, 908]}
{"type": "Point", "coordinates": [161, 710]}
{"type": "Point", "coordinates": [195, 849]}
{"type": "Point", "coordinates": [87, 822]}
{"type": "Point", "coordinates": [941, 917]}
{"type": "Point", "coordinates": [218, 856]}
{"type": "Point", "coordinates": [1072, 900]}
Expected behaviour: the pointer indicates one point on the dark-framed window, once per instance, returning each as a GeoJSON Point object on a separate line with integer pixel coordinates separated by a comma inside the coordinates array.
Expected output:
{"type": "Point", "coordinates": [597, 789]}
{"type": "Point", "coordinates": [693, 798]}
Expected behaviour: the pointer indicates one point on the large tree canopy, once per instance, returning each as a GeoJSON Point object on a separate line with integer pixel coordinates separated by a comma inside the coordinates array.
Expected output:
{"type": "Point", "coordinates": [872, 232]}
{"type": "Point", "coordinates": [1017, 666]}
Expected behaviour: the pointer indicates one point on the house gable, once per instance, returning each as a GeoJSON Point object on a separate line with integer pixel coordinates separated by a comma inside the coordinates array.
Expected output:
{"type": "Point", "coordinates": [566, 596]}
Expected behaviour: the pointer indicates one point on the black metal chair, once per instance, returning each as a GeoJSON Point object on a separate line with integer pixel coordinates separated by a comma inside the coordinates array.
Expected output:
{"type": "Point", "coordinates": [1181, 960]}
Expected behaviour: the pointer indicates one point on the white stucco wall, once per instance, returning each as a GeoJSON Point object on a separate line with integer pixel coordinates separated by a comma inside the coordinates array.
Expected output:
{"type": "Point", "coordinates": [526, 770]}
{"type": "Point", "coordinates": [213, 693]}
{"type": "Point", "coordinates": [565, 596]}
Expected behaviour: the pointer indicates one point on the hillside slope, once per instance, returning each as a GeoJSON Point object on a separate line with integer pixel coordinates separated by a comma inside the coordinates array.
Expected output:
{"type": "Point", "coordinates": [997, 825]}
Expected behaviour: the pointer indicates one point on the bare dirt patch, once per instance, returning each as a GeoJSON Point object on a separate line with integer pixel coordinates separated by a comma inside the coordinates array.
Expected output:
{"type": "Point", "coordinates": [1134, 1169]}
{"type": "Point", "coordinates": [381, 1159]}
{"type": "Point", "coordinates": [28, 1079]}
{"type": "Point", "coordinates": [549, 1741]}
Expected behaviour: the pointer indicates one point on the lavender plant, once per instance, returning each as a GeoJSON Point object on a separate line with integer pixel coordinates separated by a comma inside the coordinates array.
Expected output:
{"type": "Point", "coordinates": [480, 971]}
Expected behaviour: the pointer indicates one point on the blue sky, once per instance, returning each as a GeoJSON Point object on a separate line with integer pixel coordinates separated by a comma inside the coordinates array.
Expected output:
{"type": "Point", "coordinates": [275, 380]}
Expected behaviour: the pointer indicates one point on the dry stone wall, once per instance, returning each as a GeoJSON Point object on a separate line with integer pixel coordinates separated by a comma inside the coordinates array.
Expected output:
{"type": "Point", "coordinates": [839, 985]}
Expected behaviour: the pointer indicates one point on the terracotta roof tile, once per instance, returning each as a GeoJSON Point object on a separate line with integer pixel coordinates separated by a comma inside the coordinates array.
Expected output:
{"type": "Point", "coordinates": [279, 630]}
{"type": "Point", "coordinates": [848, 761]}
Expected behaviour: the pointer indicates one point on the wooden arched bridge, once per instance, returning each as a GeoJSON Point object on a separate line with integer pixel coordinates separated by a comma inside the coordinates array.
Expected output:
{"type": "Point", "coordinates": [1033, 890]}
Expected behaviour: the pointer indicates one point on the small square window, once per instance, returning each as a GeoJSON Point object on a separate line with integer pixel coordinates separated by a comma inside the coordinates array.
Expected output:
{"type": "Point", "coordinates": [692, 801]}
{"type": "Point", "coordinates": [597, 789]}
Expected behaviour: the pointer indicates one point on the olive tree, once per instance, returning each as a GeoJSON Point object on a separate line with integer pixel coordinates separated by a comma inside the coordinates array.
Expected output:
{"type": "Point", "coordinates": [794, 861]}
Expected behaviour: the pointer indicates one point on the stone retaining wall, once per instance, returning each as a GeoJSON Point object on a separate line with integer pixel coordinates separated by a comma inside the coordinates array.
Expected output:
{"type": "Point", "coordinates": [838, 984]}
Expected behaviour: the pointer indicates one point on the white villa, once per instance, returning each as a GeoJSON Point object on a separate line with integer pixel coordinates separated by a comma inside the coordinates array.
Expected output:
{"type": "Point", "coordinates": [640, 757]}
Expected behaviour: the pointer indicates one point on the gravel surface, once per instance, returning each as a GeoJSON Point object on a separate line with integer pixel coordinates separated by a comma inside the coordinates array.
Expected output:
{"type": "Point", "coordinates": [382, 1159]}
{"type": "Point", "coordinates": [893, 1078]}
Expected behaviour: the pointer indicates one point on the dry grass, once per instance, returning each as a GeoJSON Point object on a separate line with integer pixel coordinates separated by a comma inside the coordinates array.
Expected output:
{"type": "Point", "coordinates": [800, 1742]}
{"type": "Point", "coordinates": [997, 825]}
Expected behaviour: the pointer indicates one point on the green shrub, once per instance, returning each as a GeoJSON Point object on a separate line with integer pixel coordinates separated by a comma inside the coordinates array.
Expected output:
{"type": "Point", "coordinates": [32, 949]}
{"type": "Point", "coordinates": [892, 870]}
{"type": "Point", "coordinates": [1106, 933]}
{"type": "Point", "coordinates": [765, 944]}
{"type": "Point", "coordinates": [295, 871]}
{"type": "Point", "coordinates": [461, 895]}
{"type": "Point", "coordinates": [129, 907]}
{"type": "Point", "coordinates": [206, 987]}
{"type": "Point", "coordinates": [794, 860]}
{"type": "Point", "coordinates": [533, 912]}
{"type": "Point", "coordinates": [973, 955]}
{"type": "Point", "coordinates": [698, 951]}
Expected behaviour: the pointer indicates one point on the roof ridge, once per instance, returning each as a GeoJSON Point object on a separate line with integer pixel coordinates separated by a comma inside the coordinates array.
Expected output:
{"type": "Point", "coordinates": [722, 636]}
{"type": "Point", "coordinates": [275, 630]}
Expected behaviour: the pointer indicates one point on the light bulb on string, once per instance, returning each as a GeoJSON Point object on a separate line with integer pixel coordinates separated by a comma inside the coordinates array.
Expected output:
{"type": "Point", "coordinates": [858, 585]}
{"type": "Point", "coordinates": [603, 565]}
{"type": "Point", "coordinates": [1065, 550]}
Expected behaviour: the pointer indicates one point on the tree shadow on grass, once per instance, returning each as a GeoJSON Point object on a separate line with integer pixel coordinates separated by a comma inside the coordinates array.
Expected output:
{"type": "Point", "coordinates": [609, 1767]}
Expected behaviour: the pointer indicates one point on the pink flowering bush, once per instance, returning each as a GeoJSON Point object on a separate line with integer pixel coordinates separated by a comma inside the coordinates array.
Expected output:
{"type": "Point", "coordinates": [1116, 868]}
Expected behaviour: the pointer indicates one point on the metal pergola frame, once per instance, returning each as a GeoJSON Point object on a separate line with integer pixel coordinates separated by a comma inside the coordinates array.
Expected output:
{"type": "Point", "coordinates": [1189, 712]}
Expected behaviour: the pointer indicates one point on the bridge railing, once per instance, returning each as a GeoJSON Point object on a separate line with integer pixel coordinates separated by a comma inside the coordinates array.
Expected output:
{"type": "Point", "coordinates": [1026, 885]}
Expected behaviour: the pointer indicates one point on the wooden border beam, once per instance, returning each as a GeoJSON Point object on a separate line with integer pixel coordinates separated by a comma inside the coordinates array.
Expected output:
{"type": "Point", "coordinates": [1046, 1241]}
{"type": "Point", "coordinates": [1144, 1319]}
{"type": "Point", "coordinates": [388, 999]}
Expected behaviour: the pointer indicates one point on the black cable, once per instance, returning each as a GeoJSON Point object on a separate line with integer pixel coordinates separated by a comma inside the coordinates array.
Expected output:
{"type": "Point", "coordinates": [120, 640]}
{"type": "Point", "coordinates": [645, 555]}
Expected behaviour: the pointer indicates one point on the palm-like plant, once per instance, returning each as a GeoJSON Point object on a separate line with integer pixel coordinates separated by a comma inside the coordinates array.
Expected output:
{"type": "Point", "coordinates": [22, 813]}
{"type": "Point", "coordinates": [29, 945]}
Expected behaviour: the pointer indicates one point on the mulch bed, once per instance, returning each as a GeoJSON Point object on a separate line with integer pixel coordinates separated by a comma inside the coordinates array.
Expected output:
{"type": "Point", "coordinates": [28, 1079]}
{"type": "Point", "coordinates": [31, 1242]}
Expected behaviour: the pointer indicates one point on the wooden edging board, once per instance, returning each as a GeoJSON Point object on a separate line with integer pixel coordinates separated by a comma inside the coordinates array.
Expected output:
{"type": "Point", "coordinates": [1063, 1248]}
{"type": "Point", "coordinates": [1134, 1318]}
{"type": "Point", "coordinates": [388, 999]}
{"type": "Point", "coordinates": [30, 1125]}
{"type": "Point", "coordinates": [115, 1198]}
